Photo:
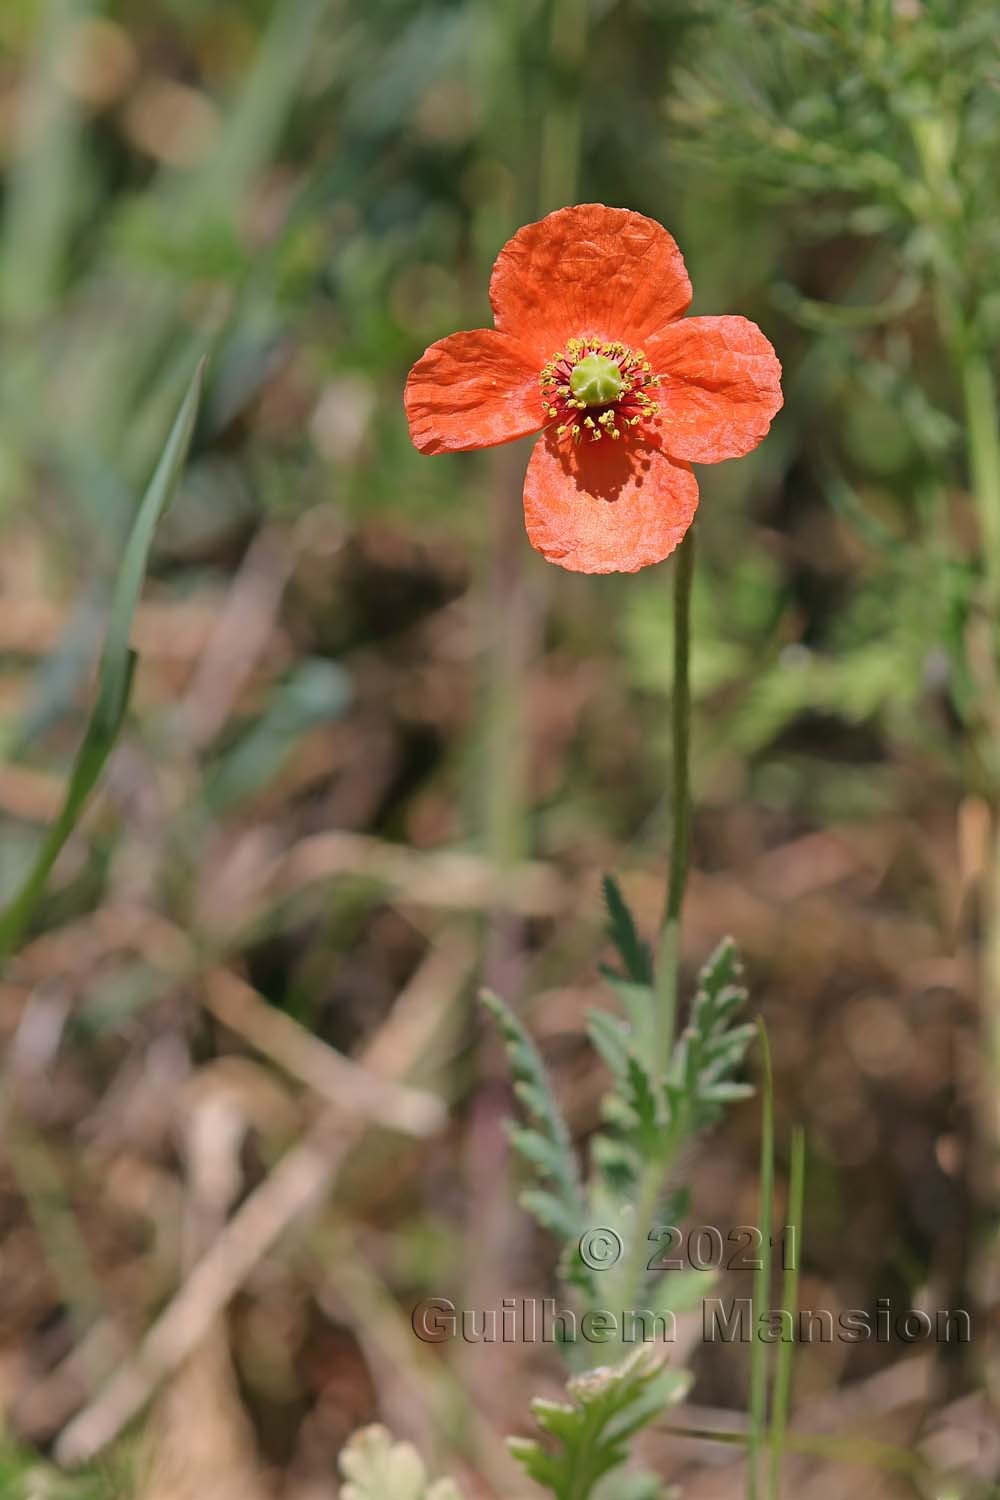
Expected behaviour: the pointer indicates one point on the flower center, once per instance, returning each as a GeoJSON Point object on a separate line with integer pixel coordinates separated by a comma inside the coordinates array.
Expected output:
{"type": "Point", "coordinates": [596, 388]}
{"type": "Point", "coordinates": [597, 380]}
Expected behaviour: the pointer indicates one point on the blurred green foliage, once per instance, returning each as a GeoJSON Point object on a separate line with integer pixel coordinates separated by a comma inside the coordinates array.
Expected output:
{"type": "Point", "coordinates": [317, 189]}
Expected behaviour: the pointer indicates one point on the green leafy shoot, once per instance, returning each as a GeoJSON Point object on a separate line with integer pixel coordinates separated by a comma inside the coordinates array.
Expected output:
{"type": "Point", "coordinates": [375, 1467]}
{"type": "Point", "coordinates": [593, 1429]}
{"type": "Point", "coordinates": [116, 671]}
{"type": "Point", "coordinates": [711, 1049]}
{"type": "Point", "coordinates": [648, 1114]}
{"type": "Point", "coordinates": [634, 1109]}
{"type": "Point", "coordinates": [557, 1203]}
{"type": "Point", "coordinates": [649, 1117]}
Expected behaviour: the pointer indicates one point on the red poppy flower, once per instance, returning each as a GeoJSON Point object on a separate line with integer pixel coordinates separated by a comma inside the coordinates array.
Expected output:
{"type": "Point", "coordinates": [591, 344]}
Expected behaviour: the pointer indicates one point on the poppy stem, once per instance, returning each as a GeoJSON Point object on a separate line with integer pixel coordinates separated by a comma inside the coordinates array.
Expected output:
{"type": "Point", "coordinates": [668, 964]}
{"type": "Point", "coordinates": [657, 1168]}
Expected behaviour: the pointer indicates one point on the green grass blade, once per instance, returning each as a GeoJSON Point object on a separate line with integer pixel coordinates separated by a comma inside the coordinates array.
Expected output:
{"type": "Point", "coordinates": [789, 1300]}
{"type": "Point", "coordinates": [759, 1350]}
{"type": "Point", "coordinates": [116, 670]}
{"type": "Point", "coordinates": [117, 660]}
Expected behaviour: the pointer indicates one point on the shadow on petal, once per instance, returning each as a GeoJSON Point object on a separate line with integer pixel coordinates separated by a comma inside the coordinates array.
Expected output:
{"type": "Point", "coordinates": [606, 507]}
{"type": "Point", "coordinates": [605, 470]}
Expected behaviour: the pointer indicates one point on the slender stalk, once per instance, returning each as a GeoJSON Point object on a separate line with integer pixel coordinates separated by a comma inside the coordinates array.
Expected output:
{"type": "Point", "coordinates": [514, 620]}
{"type": "Point", "coordinates": [654, 1174]}
{"type": "Point", "coordinates": [759, 1350]}
{"type": "Point", "coordinates": [667, 968]}
{"type": "Point", "coordinates": [789, 1301]}
{"type": "Point", "coordinates": [657, 1170]}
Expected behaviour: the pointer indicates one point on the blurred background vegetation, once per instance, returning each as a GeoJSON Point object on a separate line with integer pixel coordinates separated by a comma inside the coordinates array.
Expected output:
{"type": "Point", "coordinates": [379, 749]}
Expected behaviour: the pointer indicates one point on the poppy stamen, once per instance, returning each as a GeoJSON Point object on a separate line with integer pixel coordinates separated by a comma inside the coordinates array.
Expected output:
{"type": "Point", "coordinates": [597, 388]}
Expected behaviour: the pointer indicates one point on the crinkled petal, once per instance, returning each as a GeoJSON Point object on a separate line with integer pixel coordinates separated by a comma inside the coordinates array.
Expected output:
{"type": "Point", "coordinates": [720, 385]}
{"type": "Point", "coordinates": [606, 507]}
{"type": "Point", "coordinates": [588, 270]}
{"type": "Point", "coordinates": [473, 390]}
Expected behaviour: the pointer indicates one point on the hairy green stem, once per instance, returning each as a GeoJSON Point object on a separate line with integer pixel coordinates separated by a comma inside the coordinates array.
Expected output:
{"type": "Point", "coordinates": [668, 966]}
{"type": "Point", "coordinates": [656, 1171]}
{"type": "Point", "coordinates": [647, 1206]}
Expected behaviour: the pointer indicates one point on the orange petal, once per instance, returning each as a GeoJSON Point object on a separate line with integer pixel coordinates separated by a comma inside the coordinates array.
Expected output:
{"type": "Point", "coordinates": [720, 385]}
{"type": "Point", "coordinates": [472, 390]}
{"type": "Point", "coordinates": [588, 270]}
{"type": "Point", "coordinates": [606, 507]}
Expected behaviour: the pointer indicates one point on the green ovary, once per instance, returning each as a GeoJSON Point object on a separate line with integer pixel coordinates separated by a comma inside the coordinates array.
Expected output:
{"type": "Point", "coordinates": [596, 380]}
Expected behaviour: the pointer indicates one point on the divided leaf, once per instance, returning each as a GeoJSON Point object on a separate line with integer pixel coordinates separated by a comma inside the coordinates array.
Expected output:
{"type": "Point", "coordinates": [646, 1103]}
{"type": "Point", "coordinates": [644, 1112]}
{"type": "Point", "coordinates": [606, 1407]}
{"type": "Point", "coordinates": [710, 1049]}
{"type": "Point", "coordinates": [635, 1108]}
{"type": "Point", "coordinates": [557, 1203]}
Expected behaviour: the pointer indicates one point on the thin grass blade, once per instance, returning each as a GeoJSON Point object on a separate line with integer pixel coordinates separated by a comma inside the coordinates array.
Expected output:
{"type": "Point", "coordinates": [116, 670]}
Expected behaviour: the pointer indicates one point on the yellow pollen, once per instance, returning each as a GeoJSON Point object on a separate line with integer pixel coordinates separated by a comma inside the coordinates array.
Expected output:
{"type": "Point", "coordinates": [598, 386]}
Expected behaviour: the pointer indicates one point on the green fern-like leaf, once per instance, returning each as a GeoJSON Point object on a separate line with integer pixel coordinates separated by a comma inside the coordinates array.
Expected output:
{"type": "Point", "coordinates": [711, 1049]}
{"type": "Point", "coordinates": [618, 1165]}
{"type": "Point", "coordinates": [592, 1430]}
{"type": "Point", "coordinates": [611, 1039]}
{"type": "Point", "coordinates": [556, 1202]}
{"type": "Point", "coordinates": [646, 1100]}
{"type": "Point", "coordinates": [635, 1109]}
{"type": "Point", "coordinates": [375, 1467]}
